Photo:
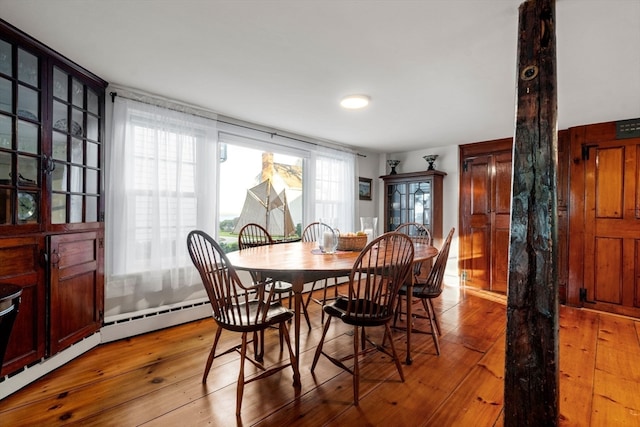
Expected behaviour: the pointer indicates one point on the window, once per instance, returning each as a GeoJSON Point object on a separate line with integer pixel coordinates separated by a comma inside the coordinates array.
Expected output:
{"type": "Point", "coordinates": [166, 172]}
{"type": "Point", "coordinates": [161, 164]}
{"type": "Point", "coordinates": [263, 187]}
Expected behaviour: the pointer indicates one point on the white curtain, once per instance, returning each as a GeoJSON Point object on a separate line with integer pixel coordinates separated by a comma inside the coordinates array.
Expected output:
{"type": "Point", "coordinates": [333, 195]}
{"type": "Point", "coordinates": [161, 170]}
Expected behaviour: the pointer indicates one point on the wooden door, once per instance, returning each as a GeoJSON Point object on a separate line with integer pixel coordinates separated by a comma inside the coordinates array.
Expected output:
{"type": "Point", "coordinates": [20, 264]}
{"type": "Point", "coordinates": [612, 226]}
{"type": "Point", "coordinates": [485, 202]}
{"type": "Point", "coordinates": [77, 287]}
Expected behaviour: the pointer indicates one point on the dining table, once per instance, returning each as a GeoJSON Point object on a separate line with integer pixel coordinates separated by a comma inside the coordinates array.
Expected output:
{"type": "Point", "coordinates": [302, 262]}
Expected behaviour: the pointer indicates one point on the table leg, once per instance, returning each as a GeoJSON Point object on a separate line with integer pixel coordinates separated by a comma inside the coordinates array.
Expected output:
{"type": "Point", "coordinates": [409, 361]}
{"type": "Point", "coordinates": [298, 286]}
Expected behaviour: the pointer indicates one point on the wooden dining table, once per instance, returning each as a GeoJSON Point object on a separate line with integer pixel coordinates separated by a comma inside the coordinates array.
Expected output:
{"type": "Point", "coordinates": [301, 262]}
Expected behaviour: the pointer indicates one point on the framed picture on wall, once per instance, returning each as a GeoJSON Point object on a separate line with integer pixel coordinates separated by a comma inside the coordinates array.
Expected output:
{"type": "Point", "coordinates": [364, 188]}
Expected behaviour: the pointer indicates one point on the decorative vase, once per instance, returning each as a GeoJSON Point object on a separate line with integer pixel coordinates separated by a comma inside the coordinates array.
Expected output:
{"type": "Point", "coordinates": [393, 164]}
{"type": "Point", "coordinates": [431, 159]}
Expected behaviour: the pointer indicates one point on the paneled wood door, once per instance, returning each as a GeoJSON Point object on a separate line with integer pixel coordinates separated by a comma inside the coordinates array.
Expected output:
{"type": "Point", "coordinates": [485, 201]}
{"type": "Point", "coordinates": [612, 226]}
{"type": "Point", "coordinates": [77, 287]}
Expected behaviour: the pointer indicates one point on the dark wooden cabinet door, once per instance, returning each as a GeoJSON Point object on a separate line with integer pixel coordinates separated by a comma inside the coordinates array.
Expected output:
{"type": "Point", "coordinates": [20, 265]}
{"type": "Point", "coordinates": [500, 220]}
{"type": "Point", "coordinates": [475, 220]}
{"type": "Point", "coordinates": [77, 287]}
{"type": "Point", "coordinates": [612, 226]}
{"type": "Point", "coordinates": [485, 204]}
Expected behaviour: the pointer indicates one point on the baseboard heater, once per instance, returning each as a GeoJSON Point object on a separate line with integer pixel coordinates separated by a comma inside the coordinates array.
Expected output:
{"type": "Point", "coordinates": [131, 324]}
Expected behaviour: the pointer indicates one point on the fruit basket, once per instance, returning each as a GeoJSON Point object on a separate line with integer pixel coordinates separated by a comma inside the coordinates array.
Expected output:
{"type": "Point", "coordinates": [351, 243]}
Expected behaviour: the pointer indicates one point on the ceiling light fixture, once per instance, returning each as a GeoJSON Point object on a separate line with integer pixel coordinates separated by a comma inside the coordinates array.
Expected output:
{"type": "Point", "coordinates": [354, 102]}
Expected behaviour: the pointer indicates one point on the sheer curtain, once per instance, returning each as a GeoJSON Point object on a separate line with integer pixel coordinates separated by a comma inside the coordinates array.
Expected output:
{"type": "Point", "coordinates": [333, 195]}
{"type": "Point", "coordinates": [161, 183]}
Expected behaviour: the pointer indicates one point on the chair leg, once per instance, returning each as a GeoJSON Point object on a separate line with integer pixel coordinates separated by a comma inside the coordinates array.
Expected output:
{"type": "Point", "coordinates": [324, 297]}
{"type": "Point", "coordinates": [320, 344]}
{"type": "Point", "coordinates": [306, 314]}
{"type": "Point", "coordinates": [284, 331]}
{"type": "Point", "coordinates": [435, 317]}
{"type": "Point", "coordinates": [310, 295]}
{"type": "Point", "coordinates": [396, 359]}
{"type": "Point", "coordinates": [240, 388]}
{"type": "Point", "coordinates": [434, 327]}
{"type": "Point", "coordinates": [212, 354]}
{"type": "Point", "coordinates": [398, 311]}
{"type": "Point", "coordinates": [356, 367]}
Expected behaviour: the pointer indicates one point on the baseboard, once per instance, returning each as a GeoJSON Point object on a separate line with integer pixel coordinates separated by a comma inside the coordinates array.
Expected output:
{"type": "Point", "coordinates": [124, 327]}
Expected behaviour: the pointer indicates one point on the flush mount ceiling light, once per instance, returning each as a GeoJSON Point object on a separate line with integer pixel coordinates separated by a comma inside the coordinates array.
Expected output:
{"type": "Point", "coordinates": [354, 102]}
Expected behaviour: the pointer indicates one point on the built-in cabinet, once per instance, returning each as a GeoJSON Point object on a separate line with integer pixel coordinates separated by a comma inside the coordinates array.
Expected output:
{"type": "Point", "coordinates": [51, 204]}
{"type": "Point", "coordinates": [414, 197]}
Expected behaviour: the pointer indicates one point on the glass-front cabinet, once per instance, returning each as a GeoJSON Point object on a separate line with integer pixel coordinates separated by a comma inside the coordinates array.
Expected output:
{"type": "Point", "coordinates": [414, 197]}
{"type": "Point", "coordinates": [20, 136]}
{"type": "Point", "coordinates": [75, 155]}
{"type": "Point", "coordinates": [51, 229]}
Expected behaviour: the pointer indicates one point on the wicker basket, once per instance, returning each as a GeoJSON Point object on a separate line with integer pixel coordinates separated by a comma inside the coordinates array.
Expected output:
{"type": "Point", "coordinates": [351, 243]}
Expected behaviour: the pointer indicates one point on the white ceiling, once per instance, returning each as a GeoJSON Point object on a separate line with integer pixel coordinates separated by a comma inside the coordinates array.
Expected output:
{"type": "Point", "coordinates": [439, 72]}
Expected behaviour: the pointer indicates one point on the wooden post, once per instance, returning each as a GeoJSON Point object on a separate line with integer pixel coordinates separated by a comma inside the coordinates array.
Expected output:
{"type": "Point", "coordinates": [531, 362]}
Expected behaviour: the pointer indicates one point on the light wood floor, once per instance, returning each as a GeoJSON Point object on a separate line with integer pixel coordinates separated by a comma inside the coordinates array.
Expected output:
{"type": "Point", "coordinates": [155, 379]}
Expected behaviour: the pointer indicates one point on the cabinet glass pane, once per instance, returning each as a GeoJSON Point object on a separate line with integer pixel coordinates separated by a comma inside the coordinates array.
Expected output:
{"type": "Point", "coordinates": [92, 154]}
{"type": "Point", "coordinates": [77, 153]}
{"type": "Point", "coordinates": [58, 208]}
{"type": "Point", "coordinates": [5, 58]}
{"type": "Point", "coordinates": [5, 206]}
{"type": "Point", "coordinates": [77, 92]}
{"type": "Point", "coordinates": [27, 171]}
{"type": "Point", "coordinates": [28, 103]}
{"type": "Point", "coordinates": [60, 84]}
{"type": "Point", "coordinates": [92, 102]}
{"type": "Point", "coordinates": [60, 116]}
{"type": "Point", "coordinates": [27, 207]}
{"type": "Point", "coordinates": [27, 68]}
{"type": "Point", "coordinates": [75, 213]}
{"type": "Point", "coordinates": [5, 168]}
{"type": "Point", "coordinates": [59, 177]}
{"type": "Point", "coordinates": [59, 146]}
{"type": "Point", "coordinates": [76, 183]}
{"type": "Point", "coordinates": [92, 181]}
{"type": "Point", "coordinates": [76, 123]}
{"type": "Point", "coordinates": [92, 128]}
{"type": "Point", "coordinates": [92, 209]}
{"type": "Point", "coordinates": [6, 95]}
{"type": "Point", "coordinates": [28, 137]}
{"type": "Point", "coordinates": [5, 132]}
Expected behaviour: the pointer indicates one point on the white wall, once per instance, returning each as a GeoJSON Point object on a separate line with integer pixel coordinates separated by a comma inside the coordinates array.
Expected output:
{"type": "Point", "coordinates": [369, 167]}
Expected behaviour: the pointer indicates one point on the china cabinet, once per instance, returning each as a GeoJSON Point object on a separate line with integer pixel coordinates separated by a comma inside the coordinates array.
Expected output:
{"type": "Point", "coordinates": [414, 197]}
{"type": "Point", "coordinates": [51, 204]}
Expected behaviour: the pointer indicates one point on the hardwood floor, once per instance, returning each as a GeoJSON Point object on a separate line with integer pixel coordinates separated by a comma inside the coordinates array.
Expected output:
{"type": "Point", "coordinates": [155, 379]}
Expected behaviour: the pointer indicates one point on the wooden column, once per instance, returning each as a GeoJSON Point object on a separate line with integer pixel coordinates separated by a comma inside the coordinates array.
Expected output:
{"type": "Point", "coordinates": [531, 362]}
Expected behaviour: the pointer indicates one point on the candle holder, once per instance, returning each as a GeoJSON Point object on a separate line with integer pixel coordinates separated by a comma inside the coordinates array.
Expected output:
{"type": "Point", "coordinates": [393, 164]}
{"type": "Point", "coordinates": [431, 159]}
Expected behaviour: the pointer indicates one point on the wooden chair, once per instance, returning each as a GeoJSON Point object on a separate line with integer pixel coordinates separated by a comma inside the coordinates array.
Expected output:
{"type": "Point", "coordinates": [236, 308]}
{"type": "Point", "coordinates": [418, 232]}
{"type": "Point", "coordinates": [420, 235]}
{"type": "Point", "coordinates": [312, 233]}
{"type": "Point", "coordinates": [9, 305]}
{"type": "Point", "coordinates": [427, 290]}
{"type": "Point", "coordinates": [253, 235]}
{"type": "Point", "coordinates": [377, 274]}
